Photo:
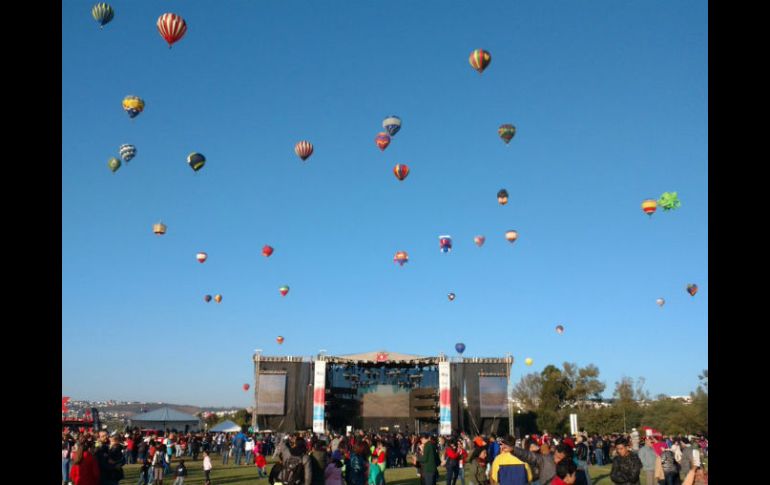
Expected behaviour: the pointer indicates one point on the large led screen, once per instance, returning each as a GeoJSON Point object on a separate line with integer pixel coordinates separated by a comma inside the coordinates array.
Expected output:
{"type": "Point", "coordinates": [386, 402]}
{"type": "Point", "coordinates": [272, 394]}
{"type": "Point", "coordinates": [493, 392]}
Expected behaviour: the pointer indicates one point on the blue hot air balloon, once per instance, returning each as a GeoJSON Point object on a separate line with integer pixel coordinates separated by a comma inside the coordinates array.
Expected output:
{"type": "Point", "coordinates": [392, 124]}
{"type": "Point", "coordinates": [460, 348]}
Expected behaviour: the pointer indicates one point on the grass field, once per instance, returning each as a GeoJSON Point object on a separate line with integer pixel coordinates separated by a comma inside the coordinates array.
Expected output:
{"type": "Point", "coordinates": [247, 475]}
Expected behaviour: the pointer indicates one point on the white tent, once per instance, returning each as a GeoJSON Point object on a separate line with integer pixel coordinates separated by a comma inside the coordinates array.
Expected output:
{"type": "Point", "coordinates": [167, 418]}
{"type": "Point", "coordinates": [226, 427]}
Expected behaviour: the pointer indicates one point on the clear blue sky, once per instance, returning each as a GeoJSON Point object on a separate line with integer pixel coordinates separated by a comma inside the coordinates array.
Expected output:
{"type": "Point", "coordinates": [610, 102]}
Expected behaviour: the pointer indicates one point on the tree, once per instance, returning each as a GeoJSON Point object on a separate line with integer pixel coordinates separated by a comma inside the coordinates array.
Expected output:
{"type": "Point", "coordinates": [583, 383]}
{"type": "Point", "coordinates": [528, 391]}
{"type": "Point", "coordinates": [553, 393]}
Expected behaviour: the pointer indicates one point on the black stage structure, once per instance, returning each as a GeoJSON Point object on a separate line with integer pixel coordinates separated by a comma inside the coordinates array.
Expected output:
{"type": "Point", "coordinates": [382, 391]}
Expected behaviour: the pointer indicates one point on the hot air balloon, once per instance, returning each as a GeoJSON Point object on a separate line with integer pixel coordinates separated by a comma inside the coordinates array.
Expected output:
{"type": "Point", "coordinates": [511, 236]}
{"type": "Point", "coordinates": [451, 297]}
{"type": "Point", "coordinates": [479, 240]}
{"type": "Point", "coordinates": [460, 347]}
{"type": "Point", "coordinates": [649, 206]}
{"type": "Point", "coordinates": [502, 196]}
{"type": "Point", "coordinates": [283, 290]}
{"type": "Point", "coordinates": [392, 124]}
{"type": "Point", "coordinates": [303, 149]}
{"type": "Point", "coordinates": [114, 164]}
{"type": "Point", "coordinates": [133, 105]}
{"type": "Point", "coordinates": [660, 302]}
{"type": "Point", "coordinates": [102, 13]}
{"type": "Point", "coordinates": [382, 140]}
{"type": "Point", "coordinates": [401, 171]}
{"type": "Point", "coordinates": [528, 361]}
{"type": "Point", "coordinates": [560, 329]}
{"type": "Point", "coordinates": [172, 27]}
{"type": "Point", "coordinates": [201, 257]}
{"type": "Point", "coordinates": [127, 152]}
{"type": "Point", "coordinates": [479, 60]}
{"type": "Point", "coordinates": [692, 289]}
{"type": "Point", "coordinates": [401, 258]}
{"type": "Point", "coordinates": [279, 339]}
{"type": "Point", "coordinates": [218, 298]}
{"type": "Point", "coordinates": [267, 251]}
{"type": "Point", "coordinates": [669, 201]}
{"type": "Point", "coordinates": [207, 298]}
{"type": "Point", "coordinates": [246, 387]}
{"type": "Point", "coordinates": [445, 243]}
{"type": "Point", "coordinates": [506, 132]}
{"type": "Point", "coordinates": [196, 161]}
{"type": "Point", "coordinates": [159, 229]}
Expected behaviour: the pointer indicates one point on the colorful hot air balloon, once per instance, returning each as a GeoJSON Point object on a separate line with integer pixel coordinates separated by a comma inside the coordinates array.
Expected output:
{"type": "Point", "coordinates": [102, 13]}
{"type": "Point", "coordinates": [401, 258]}
{"type": "Point", "coordinates": [451, 297]}
{"type": "Point", "coordinates": [172, 27]}
{"type": "Point", "coordinates": [382, 140]}
{"type": "Point", "coordinates": [279, 339]}
{"type": "Point", "coordinates": [401, 171]}
{"type": "Point", "coordinates": [528, 361]}
{"type": "Point", "coordinates": [511, 236]}
{"type": "Point", "coordinates": [159, 229]}
{"type": "Point", "coordinates": [479, 60]}
{"type": "Point", "coordinates": [303, 149]}
{"type": "Point", "coordinates": [196, 161]}
{"type": "Point", "coordinates": [445, 243]}
{"type": "Point", "coordinates": [502, 196]}
{"type": "Point", "coordinates": [114, 164]}
{"type": "Point", "coordinates": [283, 290]}
{"type": "Point", "coordinates": [660, 302]}
{"type": "Point", "coordinates": [479, 240]}
{"type": "Point", "coordinates": [506, 132]}
{"type": "Point", "coordinates": [127, 152]}
{"type": "Point", "coordinates": [692, 289]}
{"type": "Point", "coordinates": [560, 329]}
{"type": "Point", "coordinates": [246, 387]}
{"type": "Point", "coordinates": [669, 201]}
{"type": "Point", "coordinates": [201, 257]}
{"type": "Point", "coordinates": [460, 347]}
{"type": "Point", "coordinates": [649, 206]}
{"type": "Point", "coordinates": [267, 251]}
{"type": "Point", "coordinates": [218, 298]}
{"type": "Point", "coordinates": [133, 105]}
{"type": "Point", "coordinates": [392, 124]}
{"type": "Point", "coordinates": [207, 298]}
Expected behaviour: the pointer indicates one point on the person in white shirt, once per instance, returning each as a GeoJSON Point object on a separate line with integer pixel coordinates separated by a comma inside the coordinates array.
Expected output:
{"type": "Point", "coordinates": [207, 467]}
{"type": "Point", "coordinates": [249, 451]}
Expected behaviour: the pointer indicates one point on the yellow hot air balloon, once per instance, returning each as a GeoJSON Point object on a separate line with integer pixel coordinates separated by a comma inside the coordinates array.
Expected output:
{"type": "Point", "coordinates": [528, 361]}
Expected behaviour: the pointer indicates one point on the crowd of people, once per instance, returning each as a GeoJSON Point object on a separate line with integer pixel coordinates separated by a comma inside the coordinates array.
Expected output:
{"type": "Point", "coordinates": [361, 458]}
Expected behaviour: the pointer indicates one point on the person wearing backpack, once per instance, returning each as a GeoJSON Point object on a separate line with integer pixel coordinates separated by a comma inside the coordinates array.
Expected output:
{"type": "Point", "coordinates": [181, 472]}
{"type": "Point", "coordinates": [296, 468]}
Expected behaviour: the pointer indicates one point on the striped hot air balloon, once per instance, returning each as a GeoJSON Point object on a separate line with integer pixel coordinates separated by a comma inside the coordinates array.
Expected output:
{"type": "Point", "coordinates": [114, 164]}
{"type": "Point", "coordinates": [401, 258]}
{"type": "Point", "coordinates": [133, 105]}
{"type": "Point", "coordinates": [479, 60]}
{"type": "Point", "coordinates": [127, 152]}
{"type": "Point", "coordinates": [401, 171]}
{"type": "Point", "coordinates": [649, 206]}
{"type": "Point", "coordinates": [303, 149]}
{"type": "Point", "coordinates": [392, 124]}
{"type": "Point", "coordinates": [196, 161]}
{"type": "Point", "coordinates": [506, 132]}
{"type": "Point", "coordinates": [382, 140]}
{"type": "Point", "coordinates": [172, 27]}
{"type": "Point", "coordinates": [103, 14]}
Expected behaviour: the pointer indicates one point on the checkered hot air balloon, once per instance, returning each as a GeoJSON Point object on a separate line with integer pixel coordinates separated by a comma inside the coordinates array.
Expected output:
{"type": "Point", "coordinates": [303, 149]}
{"type": "Point", "coordinates": [506, 132]}
{"type": "Point", "coordinates": [127, 152]}
{"type": "Point", "coordinates": [479, 60]}
{"type": "Point", "coordinates": [649, 206]}
{"type": "Point", "coordinates": [392, 124]}
{"type": "Point", "coordinates": [103, 14]}
{"type": "Point", "coordinates": [172, 27]}
{"type": "Point", "coordinates": [382, 140]}
{"type": "Point", "coordinates": [401, 171]}
{"type": "Point", "coordinates": [114, 164]}
{"type": "Point", "coordinates": [133, 105]}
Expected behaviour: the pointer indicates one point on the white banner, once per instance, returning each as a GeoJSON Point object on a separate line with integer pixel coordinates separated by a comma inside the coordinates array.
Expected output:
{"type": "Point", "coordinates": [445, 400]}
{"type": "Point", "coordinates": [573, 425]}
{"type": "Point", "coordinates": [319, 396]}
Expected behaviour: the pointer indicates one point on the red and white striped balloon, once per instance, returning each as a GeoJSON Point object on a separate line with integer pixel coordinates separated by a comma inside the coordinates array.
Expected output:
{"type": "Point", "coordinates": [303, 149]}
{"type": "Point", "coordinates": [201, 257]}
{"type": "Point", "coordinates": [172, 27]}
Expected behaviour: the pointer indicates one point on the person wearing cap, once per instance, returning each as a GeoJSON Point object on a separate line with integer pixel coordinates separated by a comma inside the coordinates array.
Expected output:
{"type": "Point", "coordinates": [507, 469]}
{"type": "Point", "coordinates": [626, 466]}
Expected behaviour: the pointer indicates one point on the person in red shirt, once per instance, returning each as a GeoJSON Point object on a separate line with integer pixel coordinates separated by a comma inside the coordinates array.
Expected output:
{"type": "Point", "coordinates": [261, 464]}
{"type": "Point", "coordinates": [566, 473]}
{"type": "Point", "coordinates": [130, 450]}
{"type": "Point", "coordinates": [85, 470]}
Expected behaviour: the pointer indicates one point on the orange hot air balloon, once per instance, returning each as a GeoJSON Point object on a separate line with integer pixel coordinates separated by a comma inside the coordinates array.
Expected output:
{"type": "Point", "coordinates": [218, 298]}
{"type": "Point", "coordinates": [383, 140]}
{"type": "Point", "coordinates": [649, 206]}
{"type": "Point", "coordinates": [159, 229]}
{"type": "Point", "coordinates": [303, 150]}
{"type": "Point", "coordinates": [279, 339]}
{"type": "Point", "coordinates": [401, 171]}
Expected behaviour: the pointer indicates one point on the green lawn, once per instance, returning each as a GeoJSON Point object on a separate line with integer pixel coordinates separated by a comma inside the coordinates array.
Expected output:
{"type": "Point", "coordinates": [247, 475]}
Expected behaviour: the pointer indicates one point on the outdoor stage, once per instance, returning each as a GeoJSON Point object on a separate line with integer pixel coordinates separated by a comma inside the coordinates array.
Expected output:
{"type": "Point", "coordinates": [382, 391]}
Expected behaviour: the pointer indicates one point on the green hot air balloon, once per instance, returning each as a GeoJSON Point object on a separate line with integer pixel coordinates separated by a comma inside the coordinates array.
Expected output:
{"type": "Point", "coordinates": [114, 164]}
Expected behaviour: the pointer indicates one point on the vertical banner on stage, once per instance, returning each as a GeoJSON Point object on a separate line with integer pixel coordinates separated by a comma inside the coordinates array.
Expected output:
{"type": "Point", "coordinates": [445, 401]}
{"type": "Point", "coordinates": [573, 424]}
{"type": "Point", "coordinates": [319, 396]}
